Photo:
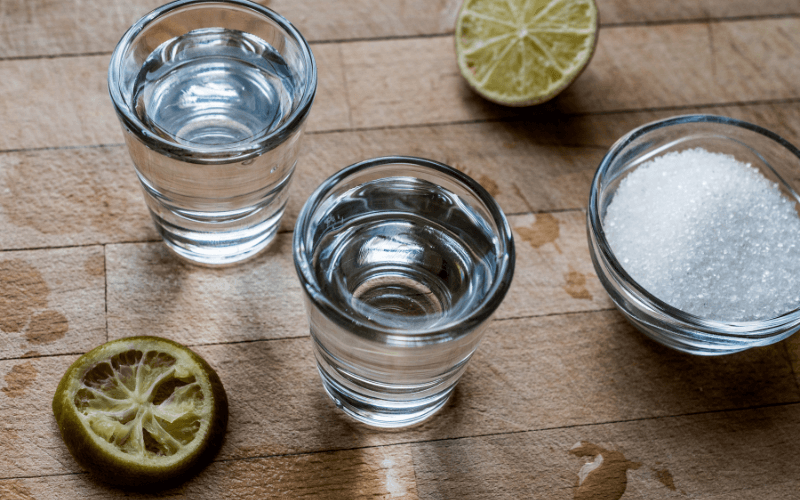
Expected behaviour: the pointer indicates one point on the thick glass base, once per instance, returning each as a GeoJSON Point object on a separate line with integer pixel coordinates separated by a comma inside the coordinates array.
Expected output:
{"type": "Point", "coordinates": [218, 237]}
{"type": "Point", "coordinates": [231, 249]}
{"type": "Point", "coordinates": [224, 244]}
{"type": "Point", "coordinates": [380, 412]}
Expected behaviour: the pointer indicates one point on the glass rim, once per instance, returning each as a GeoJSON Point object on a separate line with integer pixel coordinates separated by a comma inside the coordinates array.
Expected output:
{"type": "Point", "coordinates": [490, 302]}
{"type": "Point", "coordinates": [240, 151]}
{"type": "Point", "coordinates": [733, 329]}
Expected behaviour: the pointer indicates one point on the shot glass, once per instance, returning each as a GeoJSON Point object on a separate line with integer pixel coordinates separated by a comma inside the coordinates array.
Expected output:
{"type": "Point", "coordinates": [403, 261]}
{"type": "Point", "coordinates": [213, 97]}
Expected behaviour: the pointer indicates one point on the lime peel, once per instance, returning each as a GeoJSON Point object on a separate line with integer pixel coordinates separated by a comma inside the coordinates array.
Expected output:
{"type": "Point", "coordinates": [141, 411]}
{"type": "Point", "coordinates": [524, 52]}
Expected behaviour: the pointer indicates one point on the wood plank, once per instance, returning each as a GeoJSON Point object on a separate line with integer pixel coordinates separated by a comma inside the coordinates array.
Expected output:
{"type": "Point", "coordinates": [30, 444]}
{"type": "Point", "coordinates": [150, 290]}
{"type": "Point", "coordinates": [51, 301]}
{"type": "Point", "coordinates": [331, 107]}
{"type": "Point", "coordinates": [55, 103]}
{"type": "Point", "coordinates": [416, 82]}
{"type": "Point", "coordinates": [352, 474]}
{"type": "Point", "coordinates": [37, 28]}
{"type": "Point", "coordinates": [413, 81]}
{"type": "Point", "coordinates": [43, 27]}
{"type": "Point", "coordinates": [730, 455]}
{"type": "Point", "coordinates": [508, 159]}
{"type": "Point", "coordinates": [262, 299]}
{"type": "Point", "coordinates": [537, 165]}
{"type": "Point", "coordinates": [632, 11]}
{"type": "Point", "coordinates": [531, 374]}
{"type": "Point", "coordinates": [363, 473]}
{"type": "Point", "coordinates": [46, 27]}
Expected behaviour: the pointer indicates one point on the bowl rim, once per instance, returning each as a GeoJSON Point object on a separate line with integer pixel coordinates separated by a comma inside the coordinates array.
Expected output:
{"type": "Point", "coordinates": [213, 155]}
{"type": "Point", "coordinates": [404, 336]}
{"type": "Point", "coordinates": [733, 329]}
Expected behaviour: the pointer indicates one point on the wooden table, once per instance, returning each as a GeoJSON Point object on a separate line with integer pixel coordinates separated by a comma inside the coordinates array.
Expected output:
{"type": "Point", "coordinates": [81, 264]}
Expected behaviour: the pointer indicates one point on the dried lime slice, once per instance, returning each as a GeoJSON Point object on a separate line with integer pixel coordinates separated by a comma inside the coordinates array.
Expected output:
{"type": "Point", "coordinates": [141, 411]}
{"type": "Point", "coordinates": [524, 52]}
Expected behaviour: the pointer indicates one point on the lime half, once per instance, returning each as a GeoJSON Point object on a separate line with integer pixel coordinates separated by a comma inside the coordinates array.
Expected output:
{"type": "Point", "coordinates": [524, 52]}
{"type": "Point", "coordinates": [141, 411]}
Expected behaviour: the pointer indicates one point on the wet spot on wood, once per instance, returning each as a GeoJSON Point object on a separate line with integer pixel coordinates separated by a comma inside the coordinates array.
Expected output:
{"type": "Point", "coordinates": [19, 379]}
{"type": "Point", "coordinates": [24, 304]}
{"type": "Point", "coordinates": [7, 436]}
{"type": "Point", "coordinates": [576, 286]}
{"type": "Point", "coordinates": [95, 266]}
{"type": "Point", "coordinates": [605, 478]}
{"type": "Point", "coordinates": [89, 197]}
{"type": "Point", "coordinates": [545, 230]}
{"type": "Point", "coordinates": [15, 490]}
{"type": "Point", "coordinates": [23, 290]}
{"type": "Point", "coordinates": [47, 326]}
{"type": "Point", "coordinates": [665, 477]}
{"type": "Point", "coordinates": [489, 185]}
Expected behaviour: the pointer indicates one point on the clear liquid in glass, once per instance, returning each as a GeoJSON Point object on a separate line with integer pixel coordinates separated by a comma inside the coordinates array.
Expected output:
{"type": "Point", "coordinates": [214, 87]}
{"type": "Point", "coordinates": [406, 254]}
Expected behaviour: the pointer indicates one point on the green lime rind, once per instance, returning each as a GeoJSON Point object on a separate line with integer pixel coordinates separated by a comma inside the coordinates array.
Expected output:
{"type": "Point", "coordinates": [92, 453]}
{"type": "Point", "coordinates": [516, 57]}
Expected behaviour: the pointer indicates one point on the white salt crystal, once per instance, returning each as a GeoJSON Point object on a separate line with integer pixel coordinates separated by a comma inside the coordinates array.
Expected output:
{"type": "Point", "coordinates": [709, 235]}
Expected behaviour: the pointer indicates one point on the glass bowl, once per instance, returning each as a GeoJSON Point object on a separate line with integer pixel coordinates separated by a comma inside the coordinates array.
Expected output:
{"type": "Point", "coordinates": [775, 158]}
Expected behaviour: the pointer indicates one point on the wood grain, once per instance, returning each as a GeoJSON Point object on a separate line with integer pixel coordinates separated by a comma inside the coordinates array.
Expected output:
{"type": "Point", "coordinates": [529, 374]}
{"type": "Point", "coordinates": [632, 11]}
{"type": "Point", "coordinates": [31, 90]}
{"type": "Point", "coordinates": [732, 455]}
{"type": "Point", "coordinates": [522, 172]}
{"type": "Point", "coordinates": [50, 27]}
{"type": "Point", "coordinates": [46, 27]}
{"type": "Point", "coordinates": [560, 380]}
{"type": "Point", "coordinates": [416, 82]}
{"type": "Point", "coordinates": [633, 68]}
{"type": "Point", "coordinates": [30, 444]}
{"type": "Point", "coordinates": [150, 290]}
{"type": "Point", "coordinates": [357, 474]}
{"type": "Point", "coordinates": [92, 196]}
{"type": "Point", "coordinates": [51, 301]}
{"type": "Point", "coordinates": [331, 108]}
